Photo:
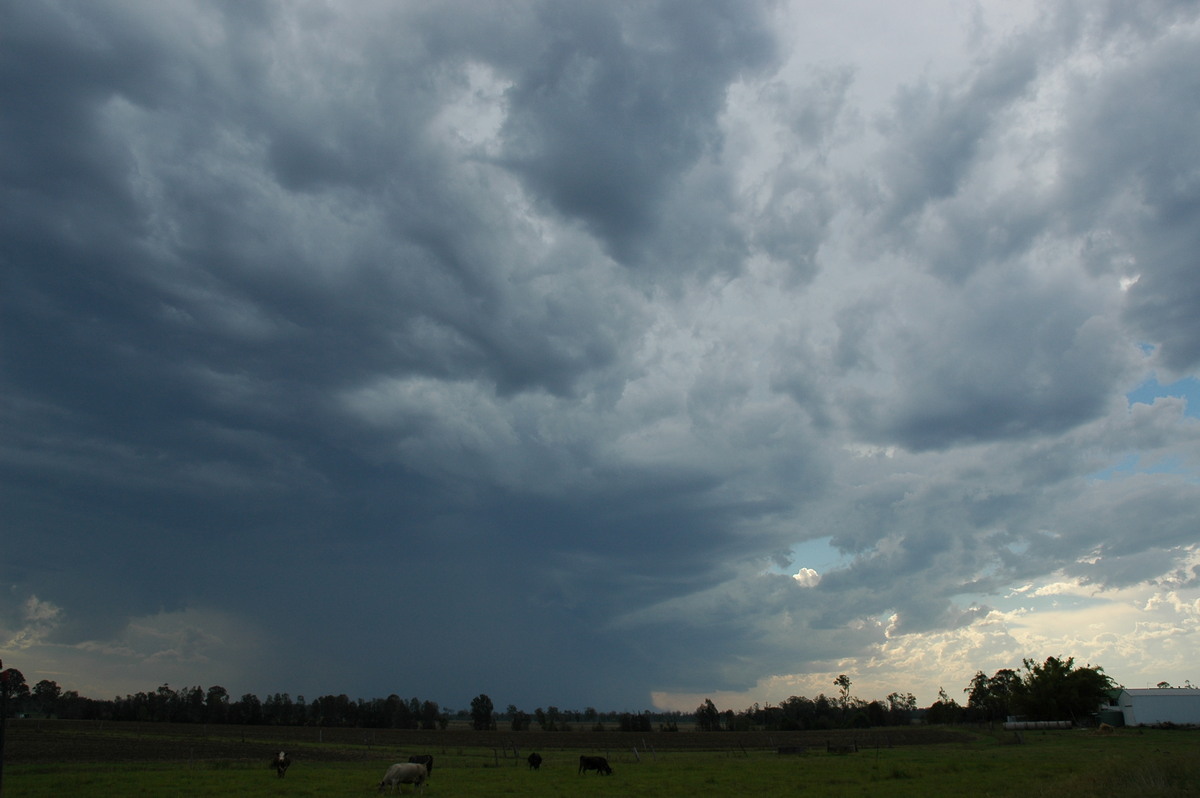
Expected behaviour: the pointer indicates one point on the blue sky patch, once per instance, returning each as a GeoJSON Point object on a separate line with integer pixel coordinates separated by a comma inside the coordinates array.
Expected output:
{"type": "Point", "coordinates": [1187, 388]}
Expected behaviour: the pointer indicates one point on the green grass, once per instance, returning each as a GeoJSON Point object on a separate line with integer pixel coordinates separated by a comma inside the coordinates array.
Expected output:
{"type": "Point", "coordinates": [1062, 764]}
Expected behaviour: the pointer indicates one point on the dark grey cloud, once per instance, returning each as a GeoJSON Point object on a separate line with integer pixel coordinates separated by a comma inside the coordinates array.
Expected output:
{"type": "Point", "coordinates": [1134, 177]}
{"type": "Point", "coordinates": [613, 110]}
{"type": "Point", "coordinates": [990, 365]}
{"type": "Point", "coordinates": [556, 328]}
{"type": "Point", "coordinates": [938, 132]}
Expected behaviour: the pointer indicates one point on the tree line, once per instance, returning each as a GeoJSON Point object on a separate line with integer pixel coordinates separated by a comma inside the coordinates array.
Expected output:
{"type": "Point", "coordinates": [216, 705]}
{"type": "Point", "coordinates": [1052, 690]}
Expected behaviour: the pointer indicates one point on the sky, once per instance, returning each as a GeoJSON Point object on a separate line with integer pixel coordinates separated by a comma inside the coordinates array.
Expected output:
{"type": "Point", "coordinates": [598, 354]}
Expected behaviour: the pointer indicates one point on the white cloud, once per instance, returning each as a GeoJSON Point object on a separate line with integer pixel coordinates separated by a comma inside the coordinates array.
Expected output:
{"type": "Point", "coordinates": [38, 620]}
{"type": "Point", "coordinates": [1140, 636]}
{"type": "Point", "coordinates": [807, 577]}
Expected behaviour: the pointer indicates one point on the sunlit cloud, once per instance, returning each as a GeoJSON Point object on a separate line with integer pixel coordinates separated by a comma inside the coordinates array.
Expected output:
{"type": "Point", "coordinates": [807, 577]}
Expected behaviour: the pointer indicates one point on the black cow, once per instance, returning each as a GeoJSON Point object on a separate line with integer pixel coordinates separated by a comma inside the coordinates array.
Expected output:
{"type": "Point", "coordinates": [596, 763]}
{"type": "Point", "coordinates": [535, 761]}
{"type": "Point", "coordinates": [423, 759]}
{"type": "Point", "coordinates": [281, 763]}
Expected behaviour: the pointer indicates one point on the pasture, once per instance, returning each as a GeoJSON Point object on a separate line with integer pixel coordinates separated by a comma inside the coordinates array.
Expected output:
{"type": "Point", "coordinates": [47, 758]}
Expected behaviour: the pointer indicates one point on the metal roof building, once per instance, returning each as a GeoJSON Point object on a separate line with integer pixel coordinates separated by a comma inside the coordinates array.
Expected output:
{"type": "Point", "coordinates": [1157, 705]}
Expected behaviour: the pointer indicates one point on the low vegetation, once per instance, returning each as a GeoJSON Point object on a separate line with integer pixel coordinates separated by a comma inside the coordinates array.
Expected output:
{"type": "Point", "coordinates": [48, 758]}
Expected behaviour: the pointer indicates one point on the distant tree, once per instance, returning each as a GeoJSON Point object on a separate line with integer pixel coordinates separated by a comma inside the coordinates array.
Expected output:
{"type": "Point", "coordinates": [944, 710]}
{"type": "Point", "coordinates": [45, 696]}
{"type": "Point", "coordinates": [247, 710]}
{"type": "Point", "coordinates": [396, 713]}
{"type": "Point", "coordinates": [1057, 690]}
{"type": "Point", "coordinates": [631, 722]}
{"type": "Point", "coordinates": [990, 698]}
{"type": "Point", "coordinates": [517, 720]}
{"type": "Point", "coordinates": [822, 713]}
{"type": "Point", "coordinates": [1163, 685]}
{"type": "Point", "coordinates": [900, 707]}
{"type": "Point", "coordinates": [843, 683]}
{"type": "Point", "coordinates": [14, 689]}
{"type": "Point", "coordinates": [193, 706]}
{"type": "Point", "coordinates": [431, 715]}
{"type": "Point", "coordinates": [216, 705]}
{"type": "Point", "coordinates": [794, 713]}
{"type": "Point", "coordinates": [738, 721]}
{"type": "Point", "coordinates": [3, 718]}
{"type": "Point", "coordinates": [70, 706]}
{"type": "Point", "coordinates": [481, 712]}
{"type": "Point", "coordinates": [708, 718]}
{"type": "Point", "coordinates": [279, 710]}
{"type": "Point", "coordinates": [163, 703]}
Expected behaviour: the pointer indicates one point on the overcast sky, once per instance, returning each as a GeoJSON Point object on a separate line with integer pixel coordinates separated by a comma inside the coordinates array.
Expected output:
{"type": "Point", "coordinates": [598, 354]}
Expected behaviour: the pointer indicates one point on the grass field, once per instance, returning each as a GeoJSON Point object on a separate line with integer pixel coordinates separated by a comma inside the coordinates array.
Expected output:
{"type": "Point", "coordinates": [47, 758]}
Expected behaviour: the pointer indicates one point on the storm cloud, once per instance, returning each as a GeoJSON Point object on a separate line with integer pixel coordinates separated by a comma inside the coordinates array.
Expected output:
{"type": "Point", "coordinates": [637, 352]}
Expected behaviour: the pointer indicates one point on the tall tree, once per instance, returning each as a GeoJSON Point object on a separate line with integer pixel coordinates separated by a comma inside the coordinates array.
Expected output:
{"type": "Point", "coordinates": [481, 712]}
{"type": "Point", "coordinates": [216, 704]}
{"type": "Point", "coordinates": [900, 707]}
{"type": "Point", "coordinates": [45, 695]}
{"type": "Point", "coordinates": [518, 720]}
{"type": "Point", "coordinates": [1057, 690]}
{"type": "Point", "coordinates": [842, 682]}
{"type": "Point", "coordinates": [3, 718]}
{"type": "Point", "coordinates": [12, 686]}
{"type": "Point", "coordinates": [944, 710]}
{"type": "Point", "coordinates": [991, 697]}
{"type": "Point", "coordinates": [15, 688]}
{"type": "Point", "coordinates": [249, 710]}
{"type": "Point", "coordinates": [431, 715]}
{"type": "Point", "coordinates": [707, 716]}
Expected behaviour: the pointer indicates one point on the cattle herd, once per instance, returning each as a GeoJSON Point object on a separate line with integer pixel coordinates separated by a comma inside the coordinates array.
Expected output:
{"type": "Point", "coordinates": [417, 770]}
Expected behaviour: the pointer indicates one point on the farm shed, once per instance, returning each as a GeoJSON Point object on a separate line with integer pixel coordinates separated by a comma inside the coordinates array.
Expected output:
{"type": "Point", "coordinates": [1152, 706]}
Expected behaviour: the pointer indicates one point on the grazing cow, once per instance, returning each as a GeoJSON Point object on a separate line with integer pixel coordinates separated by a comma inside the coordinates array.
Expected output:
{"type": "Point", "coordinates": [596, 763]}
{"type": "Point", "coordinates": [423, 759]}
{"type": "Point", "coordinates": [535, 761]}
{"type": "Point", "coordinates": [404, 773]}
{"type": "Point", "coordinates": [281, 763]}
